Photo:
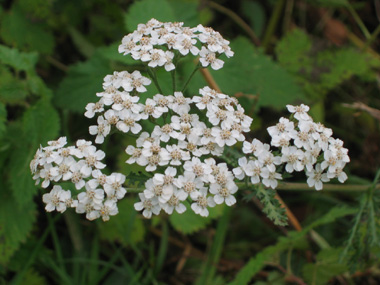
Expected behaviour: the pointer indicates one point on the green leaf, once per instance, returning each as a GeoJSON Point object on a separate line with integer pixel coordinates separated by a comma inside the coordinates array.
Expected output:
{"type": "Point", "coordinates": [15, 224]}
{"type": "Point", "coordinates": [326, 267]}
{"type": "Point", "coordinates": [82, 83]}
{"type": "Point", "coordinates": [252, 72]}
{"type": "Point", "coordinates": [186, 11]}
{"type": "Point", "coordinates": [142, 11]}
{"type": "Point", "coordinates": [3, 119]}
{"type": "Point", "coordinates": [255, 264]}
{"type": "Point", "coordinates": [292, 51]}
{"type": "Point", "coordinates": [189, 222]}
{"type": "Point", "coordinates": [18, 60]}
{"type": "Point", "coordinates": [125, 227]}
{"type": "Point", "coordinates": [255, 13]}
{"type": "Point", "coordinates": [341, 66]}
{"type": "Point", "coordinates": [272, 207]}
{"type": "Point", "coordinates": [41, 123]}
{"type": "Point", "coordinates": [111, 53]}
{"type": "Point", "coordinates": [16, 30]}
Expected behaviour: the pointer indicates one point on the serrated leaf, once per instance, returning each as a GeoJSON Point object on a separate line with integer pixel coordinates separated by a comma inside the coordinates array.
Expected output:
{"type": "Point", "coordinates": [125, 227]}
{"type": "Point", "coordinates": [34, 36]}
{"type": "Point", "coordinates": [16, 59]}
{"type": "Point", "coordinates": [15, 224]}
{"type": "Point", "coordinates": [190, 222]}
{"type": "Point", "coordinates": [292, 51]}
{"type": "Point", "coordinates": [41, 123]}
{"type": "Point", "coordinates": [341, 66]}
{"type": "Point", "coordinates": [82, 83]}
{"type": "Point", "coordinates": [12, 90]}
{"type": "Point", "coordinates": [141, 12]}
{"type": "Point", "coordinates": [326, 267]}
{"type": "Point", "coordinates": [272, 207]}
{"type": "Point", "coordinates": [252, 72]}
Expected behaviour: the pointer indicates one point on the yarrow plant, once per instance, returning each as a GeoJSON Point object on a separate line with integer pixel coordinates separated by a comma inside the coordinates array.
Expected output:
{"type": "Point", "coordinates": [183, 150]}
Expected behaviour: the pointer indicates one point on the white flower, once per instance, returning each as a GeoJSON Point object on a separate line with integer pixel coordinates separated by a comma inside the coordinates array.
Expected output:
{"type": "Point", "coordinates": [166, 180]}
{"type": "Point", "coordinates": [272, 179]}
{"type": "Point", "coordinates": [148, 205]}
{"type": "Point", "coordinates": [256, 147]}
{"type": "Point", "coordinates": [208, 57]}
{"type": "Point", "coordinates": [154, 190]}
{"type": "Point", "coordinates": [189, 185]}
{"type": "Point", "coordinates": [92, 108]}
{"type": "Point", "coordinates": [109, 208]}
{"type": "Point", "coordinates": [114, 186]}
{"type": "Point", "coordinates": [300, 112]}
{"type": "Point", "coordinates": [292, 156]}
{"type": "Point", "coordinates": [174, 154]}
{"type": "Point", "coordinates": [92, 160]}
{"type": "Point", "coordinates": [174, 203]}
{"type": "Point", "coordinates": [316, 177]}
{"type": "Point", "coordinates": [101, 130]}
{"type": "Point", "coordinates": [56, 199]}
{"type": "Point", "coordinates": [223, 193]}
{"type": "Point", "coordinates": [202, 202]}
{"type": "Point", "coordinates": [129, 122]}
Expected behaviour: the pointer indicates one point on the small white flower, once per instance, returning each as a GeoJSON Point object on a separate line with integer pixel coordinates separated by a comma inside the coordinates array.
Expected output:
{"type": "Point", "coordinates": [202, 202]}
{"type": "Point", "coordinates": [101, 130]}
{"type": "Point", "coordinates": [208, 57]}
{"type": "Point", "coordinates": [148, 206]}
{"type": "Point", "coordinates": [316, 177]}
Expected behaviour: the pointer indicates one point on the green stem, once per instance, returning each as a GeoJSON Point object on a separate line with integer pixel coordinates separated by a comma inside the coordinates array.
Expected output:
{"type": "Point", "coordinates": [191, 76]}
{"type": "Point", "coordinates": [56, 243]}
{"type": "Point", "coordinates": [274, 19]}
{"type": "Point", "coordinates": [174, 79]}
{"type": "Point", "coordinates": [358, 21]}
{"type": "Point", "coordinates": [153, 75]}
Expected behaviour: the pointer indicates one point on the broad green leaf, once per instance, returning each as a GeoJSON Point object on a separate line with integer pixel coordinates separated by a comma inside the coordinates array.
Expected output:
{"type": "Point", "coordinates": [12, 89]}
{"type": "Point", "coordinates": [186, 11]}
{"type": "Point", "coordinates": [190, 222]}
{"type": "Point", "coordinates": [125, 227]}
{"type": "Point", "coordinates": [15, 224]}
{"type": "Point", "coordinates": [16, 30]}
{"type": "Point", "coordinates": [326, 267]}
{"type": "Point", "coordinates": [16, 59]}
{"type": "Point", "coordinates": [82, 83]}
{"type": "Point", "coordinates": [252, 72]}
{"type": "Point", "coordinates": [255, 13]}
{"type": "Point", "coordinates": [41, 123]}
{"type": "Point", "coordinates": [142, 11]}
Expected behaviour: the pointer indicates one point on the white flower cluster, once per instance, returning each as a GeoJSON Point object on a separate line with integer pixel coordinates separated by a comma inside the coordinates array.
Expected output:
{"type": "Point", "coordinates": [82, 166]}
{"type": "Point", "coordinates": [180, 143]}
{"type": "Point", "coordinates": [158, 43]}
{"type": "Point", "coordinates": [304, 146]}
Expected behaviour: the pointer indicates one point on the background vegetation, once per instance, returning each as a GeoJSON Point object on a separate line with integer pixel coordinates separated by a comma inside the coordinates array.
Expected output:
{"type": "Point", "coordinates": [53, 57]}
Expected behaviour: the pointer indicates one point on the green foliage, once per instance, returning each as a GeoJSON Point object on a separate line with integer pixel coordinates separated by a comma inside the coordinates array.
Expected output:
{"type": "Point", "coordinates": [255, 264]}
{"type": "Point", "coordinates": [3, 119]}
{"type": "Point", "coordinates": [142, 11]}
{"type": "Point", "coordinates": [326, 266]}
{"type": "Point", "coordinates": [189, 222]}
{"type": "Point", "coordinates": [252, 72]}
{"type": "Point", "coordinates": [82, 83]}
{"type": "Point", "coordinates": [36, 38]}
{"type": "Point", "coordinates": [18, 60]}
{"type": "Point", "coordinates": [272, 207]}
{"type": "Point", "coordinates": [320, 71]}
{"type": "Point", "coordinates": [185, 11]}
{"type": "Point", "coordinates": [125, 228]}
{"type": "Point", "coordinates": [15, 224]}
{"type": "Point", "coordinates": [255, 13]}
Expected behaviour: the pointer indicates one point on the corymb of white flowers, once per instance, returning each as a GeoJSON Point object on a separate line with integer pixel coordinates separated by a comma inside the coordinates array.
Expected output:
{"type": "Point", "coordinates": [183, 153]}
